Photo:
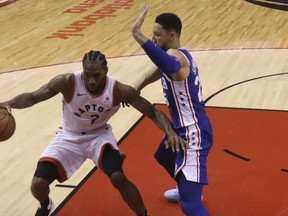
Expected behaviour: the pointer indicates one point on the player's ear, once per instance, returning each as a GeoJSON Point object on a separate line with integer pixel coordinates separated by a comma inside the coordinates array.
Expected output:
{"type": "Point", "coordinates": [105, 68]}
{"type": "Point", "coordinates": [172, 35]}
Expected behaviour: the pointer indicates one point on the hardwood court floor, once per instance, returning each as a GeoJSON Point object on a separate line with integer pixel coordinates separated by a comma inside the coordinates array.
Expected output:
{"type": "Point", "coordinates": [41, 33]}
{"type": "Point", "coordinates": [232, 41]}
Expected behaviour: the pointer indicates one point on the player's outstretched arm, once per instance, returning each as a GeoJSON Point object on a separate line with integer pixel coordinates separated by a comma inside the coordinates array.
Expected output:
{"type": "Point", "coordinates": [161, 120]}
{"type": "Point", "coordinates": [24, 100]}
{"type": "Point", "coordinates": [168, 63]}
{"type": "Point", "coordinates": [130, 95]}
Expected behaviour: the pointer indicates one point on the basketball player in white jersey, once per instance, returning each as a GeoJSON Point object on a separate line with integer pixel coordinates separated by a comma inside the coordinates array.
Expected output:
{"type": "Point", "coordinates": [183, 93]}
{"type": "Point", "coordinates": [90, 98]}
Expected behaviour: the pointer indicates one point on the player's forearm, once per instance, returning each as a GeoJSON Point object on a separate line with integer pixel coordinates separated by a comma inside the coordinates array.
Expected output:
{"type": "Point", "coordinates": [152, 75]}
{"type": "Point", "coordinates": [164, 123]}
{"type": "Point", "coordinates": [139, 36]}
{"type": "Point", "coordinates": [173, 141]}
{"type": "Point", "coordinates": [21, 101]}
{"type": "Point", "coordinates": [143, 82]}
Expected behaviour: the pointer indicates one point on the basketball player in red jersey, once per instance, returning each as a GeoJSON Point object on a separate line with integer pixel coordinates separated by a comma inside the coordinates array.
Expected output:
{"type": "Point", "coordinates": [90, 98]}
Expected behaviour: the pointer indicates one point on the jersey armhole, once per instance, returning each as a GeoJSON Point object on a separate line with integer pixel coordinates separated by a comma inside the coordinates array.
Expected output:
{"type": "Point", "coordinates": [115, 101]}
{"type": "Point", "coordinates": [185, 57]}
{"type": "Point", "coordinates": [68, 100]}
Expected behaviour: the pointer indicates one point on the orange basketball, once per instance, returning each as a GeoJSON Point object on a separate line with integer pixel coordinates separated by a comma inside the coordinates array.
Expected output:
{"type": "Point", "coordinates": [7, 125]}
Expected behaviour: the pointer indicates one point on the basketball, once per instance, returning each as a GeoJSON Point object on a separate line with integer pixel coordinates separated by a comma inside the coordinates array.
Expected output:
{"type": "Point", "coordinates": [7, 125]}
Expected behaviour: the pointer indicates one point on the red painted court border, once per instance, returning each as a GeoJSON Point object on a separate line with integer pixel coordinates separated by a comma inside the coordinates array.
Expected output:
{"type": "Point", "coordinates": [3, 3]}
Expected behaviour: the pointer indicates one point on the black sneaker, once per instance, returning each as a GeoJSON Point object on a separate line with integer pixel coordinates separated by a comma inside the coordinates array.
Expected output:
{"type": "Point", "coordinates": [42, 211]}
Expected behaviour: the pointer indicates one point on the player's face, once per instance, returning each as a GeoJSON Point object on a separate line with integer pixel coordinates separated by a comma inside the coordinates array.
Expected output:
{"type": "Point", "coordinates": [94, 76]}
{"type": "Point", "coordinates": [161, 37]}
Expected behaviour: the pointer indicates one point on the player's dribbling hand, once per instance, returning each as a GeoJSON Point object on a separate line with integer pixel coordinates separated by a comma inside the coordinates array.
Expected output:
{"type": "Point", "coordinates": [176, 142]}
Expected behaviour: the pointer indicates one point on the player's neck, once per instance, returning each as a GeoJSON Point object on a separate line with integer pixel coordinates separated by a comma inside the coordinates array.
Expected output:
{"type": "Point", "coordinates": [175, 45]}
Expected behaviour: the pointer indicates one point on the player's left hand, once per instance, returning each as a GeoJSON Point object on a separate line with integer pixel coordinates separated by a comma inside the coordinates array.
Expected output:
{"type": "Point", "coordinates": [176, 142]}
{"type": "Point", "coordinates": [139, 21]}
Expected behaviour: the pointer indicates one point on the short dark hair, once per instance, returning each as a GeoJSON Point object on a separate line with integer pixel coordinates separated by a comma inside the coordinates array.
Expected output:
{"type": "Point", "coordinates": [170, 22]}
{"type": "Point", "coordinates": [95, 56]}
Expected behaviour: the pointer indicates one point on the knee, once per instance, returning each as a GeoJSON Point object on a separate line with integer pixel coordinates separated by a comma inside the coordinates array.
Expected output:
{"type": "Point", "coordinates": [38, 184]}
{"type": "Point", "coordinates": [118, 179]}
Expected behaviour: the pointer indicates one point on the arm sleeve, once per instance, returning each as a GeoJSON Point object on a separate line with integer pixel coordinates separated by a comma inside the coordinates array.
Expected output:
{"type": "Point", "coordinates": [167, 63]}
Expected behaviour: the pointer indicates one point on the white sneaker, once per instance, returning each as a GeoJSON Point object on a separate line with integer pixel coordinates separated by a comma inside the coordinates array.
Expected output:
{"type": "Point", "coordinates": [172, 195]}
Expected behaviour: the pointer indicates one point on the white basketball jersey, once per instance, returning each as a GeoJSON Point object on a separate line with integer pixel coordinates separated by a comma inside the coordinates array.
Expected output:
{"type": "Point", "coordinates": [86, 112]}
